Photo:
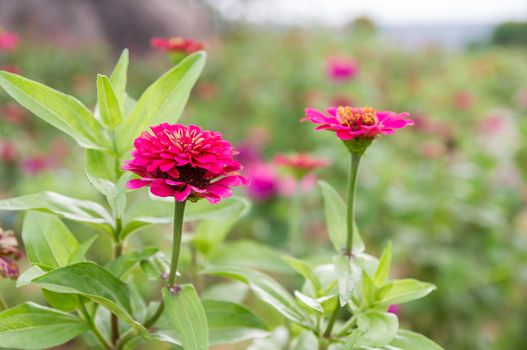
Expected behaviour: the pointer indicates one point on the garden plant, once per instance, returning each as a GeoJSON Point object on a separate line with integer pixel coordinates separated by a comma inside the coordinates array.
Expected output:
{"type": "Point", "coordinates": [186, 174]}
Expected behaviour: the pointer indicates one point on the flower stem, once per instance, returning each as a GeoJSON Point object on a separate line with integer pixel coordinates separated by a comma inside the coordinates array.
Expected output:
{"type": "Point", "coordinates": [354, 169]}
{"type": "Point", "coordinates": [117, 252]}
{"type": "Point", "coordinates": [295, 239]}
{"type": "Point", "coordinates": [179, 211]}
{"type": "Point", "coordinates": [89, 320]}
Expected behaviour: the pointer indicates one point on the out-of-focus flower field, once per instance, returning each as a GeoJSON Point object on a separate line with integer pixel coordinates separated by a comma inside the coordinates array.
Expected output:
{"type": "Point", "coordinates": [451, 190]}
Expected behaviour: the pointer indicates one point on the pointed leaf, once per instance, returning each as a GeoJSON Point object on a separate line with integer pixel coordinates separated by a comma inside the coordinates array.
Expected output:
{"type": "Point", "coordinates": [63, 206]}
{"type": "Point", "coordinates": [82, 249]}
{"type": "Point", "coordinates": [164, 100]}
{"type": "Point", "coordinates": [311, 303]}
{"type": "Point", "coordinates": [64, 112]}
{"type": "Point", "coordinates": [305, 270]}
{"type": "Point", "coordinates": [383, 270]}
{"type": "Point", "coordinates": [119, 76]}
{"type": "Point", "coordinates": [94, 282]}
{"type": "Point", "coordinates": [31, 326]}
{"type": "Point", "coordinates": [186, 314]}
{"type": "Point", "coordinates": [49, 243]}
{"type": "Point", "coordinates": [109, 108]}
{"type": "Point", "coordinates": [335, 212]}
{"type": "Point", "coordinates": [403, 291]}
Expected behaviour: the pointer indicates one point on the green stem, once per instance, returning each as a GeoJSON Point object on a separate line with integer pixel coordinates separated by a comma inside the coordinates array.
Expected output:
{"type": "Point", "coordinates": [179, 212]}
{"type": "Point", "coordinates": [295, 239]}
{"type": "Point", "coordinates": [117, 252]}
{"type": "Point", "coordinates": [354, 169]}
{"type": "Point", "coordinates": [105, 343]}
{"type": "Point", "coordinates": [332, 320]}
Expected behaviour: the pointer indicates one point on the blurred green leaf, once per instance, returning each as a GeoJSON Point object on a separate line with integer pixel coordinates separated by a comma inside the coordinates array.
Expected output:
{"type": "Point", "coordinates": [64, 112]}
{"type": "Point", "coordinates": [312, 304]}
{"type": "Point", "coordinates": [49, 243]}
{"type": "Point", "coordinates": [126, 261]}
{"type": "Point", "coordinates": [70, 208]}
{"type": "Point", "coordinates": [375, 329]}
{"type": "Point", "coordinates": [162, 101]}
{"type": "Point", "coordinates": [31, 326]}
{"type": "Point", "coordinates": [94, 282]}
{"type": "Point", "coordinates": [306, 271]}
{"type": "Point", "coordinates": [408, 340]}
{"type": "Point", "coordinates": [267, 289]}
{"type": "Point", "coordinates": [403, 290]}
{"type": "Point", "coordinates": [119, 76]}
{"type": "Point", "coordinates": [348, 277]}
{"type": "Point", "coordinates": [109, 109]}
{"type": "Point", "coordinates": [335, 212]}
{"type": "Point", "coordinates": [383, 270]}
{"type": "Point", "coordinates": [79, 253]}
{"type": "Point", "coordinates": [187, 316]}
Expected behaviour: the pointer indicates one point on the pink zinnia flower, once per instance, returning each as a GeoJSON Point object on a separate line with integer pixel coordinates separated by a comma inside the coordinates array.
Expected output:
{"type": "Point", "coordinates": [184, 163]}
{"type": "Point", "coordinates": [357, 123]}
{"type": "Point", "coordinates": [36, 164]}
{"type": "Point", "coordinates": [8, 41]}
{"type": "Point", "coordinates": [341, 68]}
{"type": "Point", "coordinates": [263, 181]}
{"type": "Point", "coordinates": [395, 309]}
{"type": "Point", "coordinates": [8, 251]}
{"type": "Point", "coordinates": [301, 161]}
{"type": "Point", "coordinates": [177, 44]}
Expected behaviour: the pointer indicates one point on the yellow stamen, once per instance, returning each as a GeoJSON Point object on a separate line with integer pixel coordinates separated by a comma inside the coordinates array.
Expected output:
{"type": "Point", "coordinates": [355, 117]}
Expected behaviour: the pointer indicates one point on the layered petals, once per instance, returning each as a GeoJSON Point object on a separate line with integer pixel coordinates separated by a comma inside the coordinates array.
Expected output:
{"type": "Point", "coordinates": [177, 44]}
{"type": "Point", "coordinates": [184, 163]}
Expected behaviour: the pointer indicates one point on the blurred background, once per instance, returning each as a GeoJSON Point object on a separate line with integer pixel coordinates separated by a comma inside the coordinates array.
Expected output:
{"type": "Point", "coordinates": [450, 192]}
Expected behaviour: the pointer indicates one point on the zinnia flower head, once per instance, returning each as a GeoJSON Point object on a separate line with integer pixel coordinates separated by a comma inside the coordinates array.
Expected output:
{"type": "Point", "coordinates": [177, 44]}
{"type": "Point", "coordinates": [341, 68]}
{"type": "Point", "coordinates": [184, 163]}
{"type": "Point", "coordinates": [357, 126]}
{"type": "Point", "coordinates": [8, 251]}
{"type": "Point", "coordinates": [8, 41]}
{"type": "Point", "coordinates": [300, 163]}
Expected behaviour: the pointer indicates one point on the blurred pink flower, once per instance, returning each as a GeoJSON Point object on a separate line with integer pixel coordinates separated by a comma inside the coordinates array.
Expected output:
{"type": "Point", "coordinates": [13, 113]}
{"type": "Point", "coordinates": [521, 98]}
{"type": "Point", "coordinates": [342, 100]}
{"type": "Point", "coordinates": [34, 165]}
{"type": "Point", "coordinates": [7, 152]}
{"type": "Point", "coordinates": [182, 162]}
{"type": "Point", "coordinates": [357, 123]}
{"type": "Point", "coordinates": [493, 124]}
{"type": "Point", "coordinates": [177, 44]}
{"type": "Point", "coordinates": [287, 184]}
{"type": "Point", "coordinates": [8, 41]}
{"type": "Point", "coordinates": [341, 68]}
{"type": "Point", "coordinates": [263, 181]}
{"type": "Point", "coordinates": [8, 251]}
{"type": "Point", "coordinates": [464, 100]}
{"type": "Point", "coordinates": [300, 164]}
{"type": "Point", "coordinates": [11, 68]}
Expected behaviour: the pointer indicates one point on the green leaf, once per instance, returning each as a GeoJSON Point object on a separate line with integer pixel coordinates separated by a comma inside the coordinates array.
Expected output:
{"type": "Point", "coordinates": [242, 253]}
{"type": "Point", "coordinates": [49, 243]}
{"type": "Point", "coordinates": [404, 290]}
{"type": "Point", "coordinates": [164, 100]}
{"type": "Point", "coordinates": [311, 303]}
{"type": "Point", "coordinates": [408, 340]}
{"type": "Point", "coordinates": [118, 78]}
{"type": "Point", "coordinates": [335, 212]}
{"type": "Point", "coordinates": [187, 316]}
{"type": "Point", "coordinates": [126, 261]}
{"type": "Point", "coordinates": [31, 326]}
{"type": "Point", "coordinates": [305, 270]}
{"type": "Point", "coordinates": [383, 270]}
{"type": "Point", "coordinates": [64, 112]}
{"type": "Point", "coordinates": [79, 254]}
{"type": "Point", "coordinates": [94, 282]}
{"type": "Point", "coordinates": [348, 276]}
{"type": "Point", "coordinates": [368, 289]}
{"type": "Point", "coordinates": [62, 302]}
{"type": "Point", "coordinates": [30, 274]}
{"type": "Point", "coordinates": [375, 329]}
{"type": "Point", "coordinates": [267, 289]}
{"type": "Point", "coordinates": [109, 109]}
{"type": "Point", "coordinates": [231, 323]}
{"type": "Point", "coordinates": [70, 208]}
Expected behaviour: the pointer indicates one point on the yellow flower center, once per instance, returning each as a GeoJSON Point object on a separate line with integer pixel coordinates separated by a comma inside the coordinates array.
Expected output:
{"type": "Point", "coordinates": [176, 40]}
{"type": "Point", "coordinates": [355, 117]}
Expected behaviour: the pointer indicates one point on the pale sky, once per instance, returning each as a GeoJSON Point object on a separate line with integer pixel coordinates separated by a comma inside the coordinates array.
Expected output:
{"type": "Point", "coordinates": [384, 12]}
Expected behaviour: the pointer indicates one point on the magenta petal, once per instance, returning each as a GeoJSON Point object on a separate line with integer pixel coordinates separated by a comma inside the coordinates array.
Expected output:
{"type": "Point", "coordinates": [182, 195]}
{"type": "Point", "coordinates": [136, 183]}
{"type": "Point", "coordinates": [220, 190]}
{"type": "Point", "coordinates": [161, 189]}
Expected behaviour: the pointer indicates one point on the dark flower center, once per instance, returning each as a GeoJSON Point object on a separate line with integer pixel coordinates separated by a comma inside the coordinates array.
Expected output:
{"type": "Point", "coordinates": [193, 176]}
